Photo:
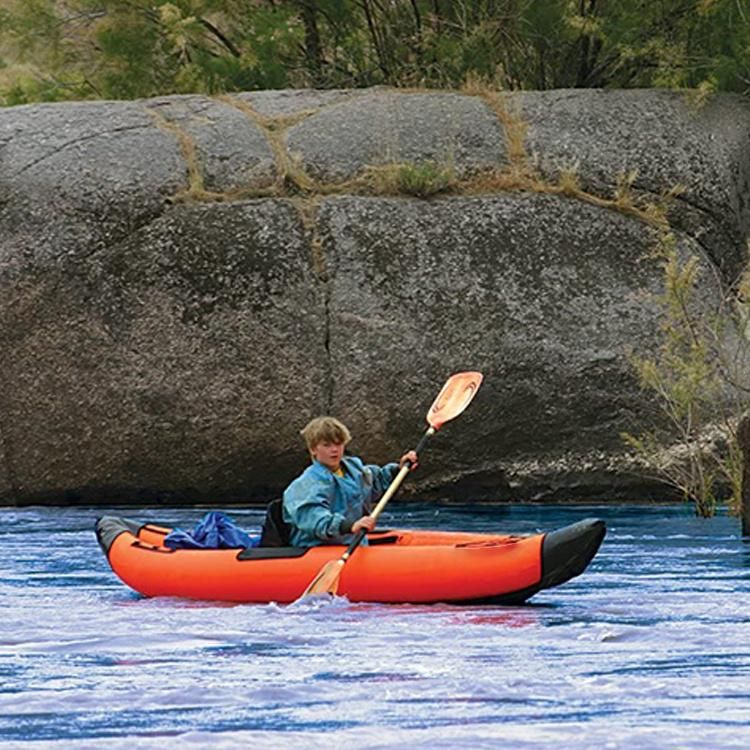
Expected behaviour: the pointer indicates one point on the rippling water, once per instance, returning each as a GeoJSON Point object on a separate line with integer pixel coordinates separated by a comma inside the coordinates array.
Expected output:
{"type": "Point", "coordinates": [649, 648]}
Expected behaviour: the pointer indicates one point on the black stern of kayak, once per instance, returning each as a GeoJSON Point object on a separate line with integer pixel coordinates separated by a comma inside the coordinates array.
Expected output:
{"type": "Point", "coordinates": [567, 551]}
{"type": "Point", "coordinates": [108, 528]}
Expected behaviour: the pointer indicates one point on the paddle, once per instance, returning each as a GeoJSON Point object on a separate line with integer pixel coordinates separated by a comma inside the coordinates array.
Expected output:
{"type": "Point", "coordinates": [454, 397]}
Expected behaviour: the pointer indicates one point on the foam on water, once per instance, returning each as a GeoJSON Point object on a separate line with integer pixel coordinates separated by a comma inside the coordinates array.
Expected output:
{"type": "Point", "coordinates": [649, 648]}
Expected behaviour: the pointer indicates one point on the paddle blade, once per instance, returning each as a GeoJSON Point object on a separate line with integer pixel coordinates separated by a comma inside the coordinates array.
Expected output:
{"type": "Point", "coordinates": [455, 396]}
{"type": "Point", "coordinates": [327, 581]}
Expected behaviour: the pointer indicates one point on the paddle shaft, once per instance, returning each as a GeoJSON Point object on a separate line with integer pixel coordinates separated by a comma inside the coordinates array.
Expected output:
{"type": "Point", "coordinates": [389, 493]}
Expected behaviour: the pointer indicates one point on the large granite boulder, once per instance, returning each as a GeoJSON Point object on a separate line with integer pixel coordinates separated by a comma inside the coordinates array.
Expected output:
{"type": "Point", "coordinates": [344, 139]}
{"type": "Point", "coordinates": [173, 309]}
{"type": "Point", "coordinates": [546, 296]}
{"type": "Point", "coordinates": [168, 366]}
{"type": "Point", "coordinates": [664, 142]}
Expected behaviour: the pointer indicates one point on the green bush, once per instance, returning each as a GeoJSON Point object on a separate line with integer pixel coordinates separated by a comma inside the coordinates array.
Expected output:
{"type": "Point", "coordinates": [697, 378]}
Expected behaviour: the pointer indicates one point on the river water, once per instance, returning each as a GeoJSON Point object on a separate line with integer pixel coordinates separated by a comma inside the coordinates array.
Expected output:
{"type": "Point", "coordinates": [649, 648]}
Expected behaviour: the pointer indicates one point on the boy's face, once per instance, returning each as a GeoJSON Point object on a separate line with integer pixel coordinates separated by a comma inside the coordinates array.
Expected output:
{"type": "Point", "coordinates": [328, 454]}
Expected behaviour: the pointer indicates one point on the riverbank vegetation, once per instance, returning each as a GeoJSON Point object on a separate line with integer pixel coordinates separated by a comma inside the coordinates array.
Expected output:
{"type": "Point", "coordinates": [52, 50]}
{"type": "Point", "coordinates": [698, 375]}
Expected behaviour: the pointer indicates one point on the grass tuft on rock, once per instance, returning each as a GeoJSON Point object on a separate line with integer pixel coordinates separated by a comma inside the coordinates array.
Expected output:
{"type": "Point", "coordinates": [421, 179]}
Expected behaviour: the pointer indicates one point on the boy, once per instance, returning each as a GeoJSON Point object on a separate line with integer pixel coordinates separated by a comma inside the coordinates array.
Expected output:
{"type": "Point", "coordinates": [331, 499]}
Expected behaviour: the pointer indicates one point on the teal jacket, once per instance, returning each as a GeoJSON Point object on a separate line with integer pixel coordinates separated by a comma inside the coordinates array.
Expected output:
{"type": "Point", "coordinates": [321, 507]}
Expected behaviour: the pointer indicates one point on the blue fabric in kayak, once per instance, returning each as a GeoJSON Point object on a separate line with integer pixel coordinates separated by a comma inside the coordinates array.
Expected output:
{"type": "Point", "coordinates": [215, 530]}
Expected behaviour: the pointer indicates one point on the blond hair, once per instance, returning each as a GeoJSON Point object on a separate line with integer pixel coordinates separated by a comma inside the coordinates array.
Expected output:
{"type": "Point", "coordinates": [325, 430]}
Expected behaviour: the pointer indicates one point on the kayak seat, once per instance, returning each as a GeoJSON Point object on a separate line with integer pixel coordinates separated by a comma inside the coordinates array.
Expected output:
{"type": "Point", "coordinates": [276, 531]}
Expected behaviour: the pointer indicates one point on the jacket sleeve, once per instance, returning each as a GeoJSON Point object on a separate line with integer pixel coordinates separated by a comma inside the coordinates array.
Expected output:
{"type": "Point", "coordinates": [382, 476]}
{"type": "Point", "coordinates": [307, 506]}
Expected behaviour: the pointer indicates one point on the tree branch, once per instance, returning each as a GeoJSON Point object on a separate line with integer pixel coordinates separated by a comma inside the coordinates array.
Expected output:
{"type": "Point", "coordinates": [225, 40]}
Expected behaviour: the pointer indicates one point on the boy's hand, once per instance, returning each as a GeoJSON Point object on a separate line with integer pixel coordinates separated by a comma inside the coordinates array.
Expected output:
{"type": "Point", "coordinates": [410, 456]}
{"type": "Point", "coordinates": [366, 522]}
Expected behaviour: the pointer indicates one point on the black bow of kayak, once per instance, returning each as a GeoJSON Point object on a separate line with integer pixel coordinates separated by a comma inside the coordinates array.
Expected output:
{"type": "Point", "coordinates": [566, 553]}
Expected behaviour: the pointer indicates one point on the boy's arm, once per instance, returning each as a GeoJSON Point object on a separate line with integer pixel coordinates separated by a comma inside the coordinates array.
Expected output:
{"type": "Point", "coordinates": [382, 476]}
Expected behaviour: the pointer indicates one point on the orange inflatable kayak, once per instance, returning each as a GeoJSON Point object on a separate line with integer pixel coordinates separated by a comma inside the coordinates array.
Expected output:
{"type": "Point", "coordinates": [397, 566]}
